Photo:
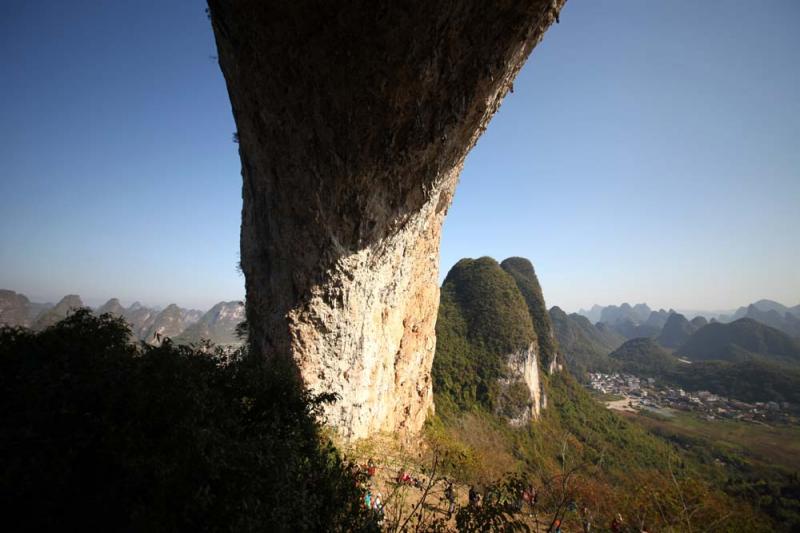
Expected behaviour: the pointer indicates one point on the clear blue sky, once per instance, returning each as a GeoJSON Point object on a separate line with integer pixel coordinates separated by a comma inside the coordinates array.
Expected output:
{"type": "Point", "coordinates": [650, 152]}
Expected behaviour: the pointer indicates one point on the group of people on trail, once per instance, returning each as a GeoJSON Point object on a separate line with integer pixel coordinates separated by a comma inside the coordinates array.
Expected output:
{"type": "Point", "coordinates": [372, 502]}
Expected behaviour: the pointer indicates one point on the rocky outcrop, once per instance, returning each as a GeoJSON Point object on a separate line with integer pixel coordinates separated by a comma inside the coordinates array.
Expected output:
{"type": "Point", "coordinates": [521, 389]}
{"type": "Point", "coordinates": [62, 309]}
{"type": "Point", "coordinates": [170, 322]}
{"type": "Point", "coordinates": [112, 307]}
{"type": "Point", "coordinates": [354, 119]}
{"type": "Point", "coordinates": [217, 325]}
{"type": "Point", "coordinates": [14, 309]}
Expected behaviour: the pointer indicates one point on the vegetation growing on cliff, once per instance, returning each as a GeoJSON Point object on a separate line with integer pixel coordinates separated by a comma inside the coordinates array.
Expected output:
{"type": "Point", "coordinates": [482, 319]}
{"type": "Point", "coordinates": [524, 276]}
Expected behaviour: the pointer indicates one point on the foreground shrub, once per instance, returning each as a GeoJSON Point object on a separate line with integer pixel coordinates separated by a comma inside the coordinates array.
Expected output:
{"type": "Point", "coordinates": [97, 434]}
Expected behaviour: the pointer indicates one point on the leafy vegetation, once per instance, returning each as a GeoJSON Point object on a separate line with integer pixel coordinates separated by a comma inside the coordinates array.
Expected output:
{"type": "Point", "coordinates": [753, 463]}
{"type": "Point", "coordinates": [643, 357]}
{"type": "Point", "coordinates": [585, 460]}
{"type": "Point", "coordinates": [98, 434]}
{"type": "Point", "coordinates": [749, 381]}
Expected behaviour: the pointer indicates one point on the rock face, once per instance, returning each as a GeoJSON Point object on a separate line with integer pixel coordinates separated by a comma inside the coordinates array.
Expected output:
{"type": "Point", "coordinates": [354, 119]}
{"type": "Point", "coordinates": [112, 307]}
{"type": "Point", "coordinates": [523, 369]}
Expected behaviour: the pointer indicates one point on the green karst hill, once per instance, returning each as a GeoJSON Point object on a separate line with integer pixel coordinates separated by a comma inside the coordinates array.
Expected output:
{"type": "Point", "coordinates": [644, 357]}
{"type": "Point", "coordinates": [482, 319]}
{"type": "Point", "coordinates": [584, 346]}
{"type": "Point", "coordinates": [524, 276]}
{"type": "Point", "coordinates": [577, 450]}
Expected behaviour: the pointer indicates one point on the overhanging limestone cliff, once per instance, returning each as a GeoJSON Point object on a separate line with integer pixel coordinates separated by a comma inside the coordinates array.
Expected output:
{"type": "Point", "coordinates": [354, 119]}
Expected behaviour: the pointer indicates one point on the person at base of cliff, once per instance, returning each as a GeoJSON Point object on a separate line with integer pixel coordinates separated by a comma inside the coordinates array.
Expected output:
{"type": "Point", "coordinates": [403, 477]}
{"type": "Point", "coordinates": [617, 523]}
{"type": "Point", "coordinates": [367, 500]}
{"type": "Point", "coordinates": [450, 496]}
{"type": "Point", "coordinates": [371, 468]}
{"type": "Point", "coordinates": [377, 506]}
{"type": "Point", "coordinates": [528, 497]}
{"type": "Point", "coordinates": [586, 516]}
{"type": "Point", "coordinates": [474, 497]}
{"type": "Point", "coordinates": [556, 526]}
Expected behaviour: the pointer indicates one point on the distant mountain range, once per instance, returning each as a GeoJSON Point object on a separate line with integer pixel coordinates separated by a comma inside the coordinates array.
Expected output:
{"type": "Point", "coordinates": [639, 320]}
{"type": "Point", "coordinates": [147, 324]}
{"type": "Point", "coordinates": [744, 360]}
{"type": "Point", "coordinates": [743, 339]}
{"type": "Point", "coordinates": [584, 345]}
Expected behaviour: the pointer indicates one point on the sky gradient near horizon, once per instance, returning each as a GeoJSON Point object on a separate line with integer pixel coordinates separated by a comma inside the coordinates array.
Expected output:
{"type": "Point", "coordinates": [649, 153]}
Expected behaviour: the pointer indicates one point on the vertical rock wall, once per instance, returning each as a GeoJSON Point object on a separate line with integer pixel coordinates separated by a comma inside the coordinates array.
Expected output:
{"type": "Point", "coordinates": [523, 367]}
{"type": "Point", "coordinates": [354, 119]}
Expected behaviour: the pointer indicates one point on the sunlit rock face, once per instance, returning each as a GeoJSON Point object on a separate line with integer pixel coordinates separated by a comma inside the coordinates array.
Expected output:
{"type": "Point", "coordinates": [353, 120]}
{"type": "Point", "coordinates": [523, 369]}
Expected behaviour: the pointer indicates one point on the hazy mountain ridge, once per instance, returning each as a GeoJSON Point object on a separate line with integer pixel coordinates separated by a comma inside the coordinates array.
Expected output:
{"type": "Point", "coordinates": [752, 379]}
{"type": "Point", "coordinates": [676, 331]}
{"type": "Point", "coordinates": [740, 340]}
{"type": "Point", "coordinates": [147, 324]}
{"type": "Point", "coordinates": [584, 346]}
{"type": "Point", "coordinates": [61, 310]}
{"type": "Point", "coordinates": [766, 311]}
{"type": "Point", "coordinates": [218, 323]}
